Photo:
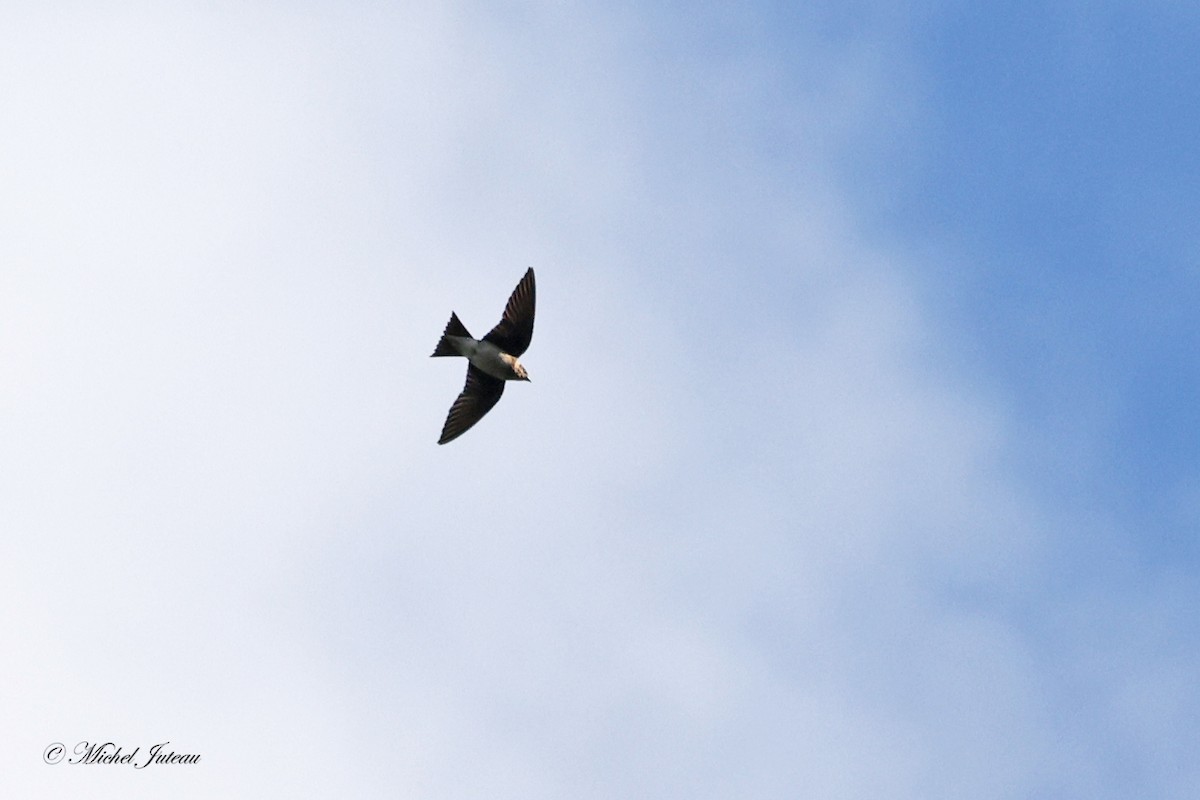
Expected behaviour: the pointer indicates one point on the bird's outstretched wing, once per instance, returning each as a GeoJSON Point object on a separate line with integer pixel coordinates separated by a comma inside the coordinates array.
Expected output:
{"type": "Point", "coordinates": [515, 330]}
{"type": "Point", "coordinates": [477, 398]}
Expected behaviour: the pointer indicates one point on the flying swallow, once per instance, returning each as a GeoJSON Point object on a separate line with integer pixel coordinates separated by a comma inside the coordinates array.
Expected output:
{"type": "Point", "coordinates": [493, 359]}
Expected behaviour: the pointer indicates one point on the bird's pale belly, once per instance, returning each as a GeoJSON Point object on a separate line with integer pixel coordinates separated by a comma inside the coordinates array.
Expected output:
{"type": "Point", "coordinates": [487, 357]}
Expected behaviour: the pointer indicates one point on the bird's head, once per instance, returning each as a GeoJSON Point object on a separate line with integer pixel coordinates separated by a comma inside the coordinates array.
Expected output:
{"type": "Point", "coordinates": [522, 375]}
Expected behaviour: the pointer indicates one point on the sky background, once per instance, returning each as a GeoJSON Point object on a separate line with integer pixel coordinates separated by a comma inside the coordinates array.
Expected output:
{"type": "Point", "coordinates": [862, 453]}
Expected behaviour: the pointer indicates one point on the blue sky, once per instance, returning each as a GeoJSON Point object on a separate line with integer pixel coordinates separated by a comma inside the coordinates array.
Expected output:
{"type": "Point", "coordinates": [879, 477]}
{"type": "Point", "coordinates": [1061, 143]}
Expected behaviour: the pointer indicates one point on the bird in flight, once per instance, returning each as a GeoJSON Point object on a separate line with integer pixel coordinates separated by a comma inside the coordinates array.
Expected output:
{"type": "Point", "coordinates": [493, 359]}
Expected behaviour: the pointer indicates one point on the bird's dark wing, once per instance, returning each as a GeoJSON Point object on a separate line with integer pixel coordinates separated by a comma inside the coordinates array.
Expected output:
{"type": "Point", "coordinates": [477, 398]}
{"type": "Point", "coordinates": [515, 330]}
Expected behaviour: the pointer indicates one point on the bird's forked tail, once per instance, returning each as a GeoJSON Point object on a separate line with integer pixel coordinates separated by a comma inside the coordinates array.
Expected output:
{"type": "Point", "coordinates": [453, 328]}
